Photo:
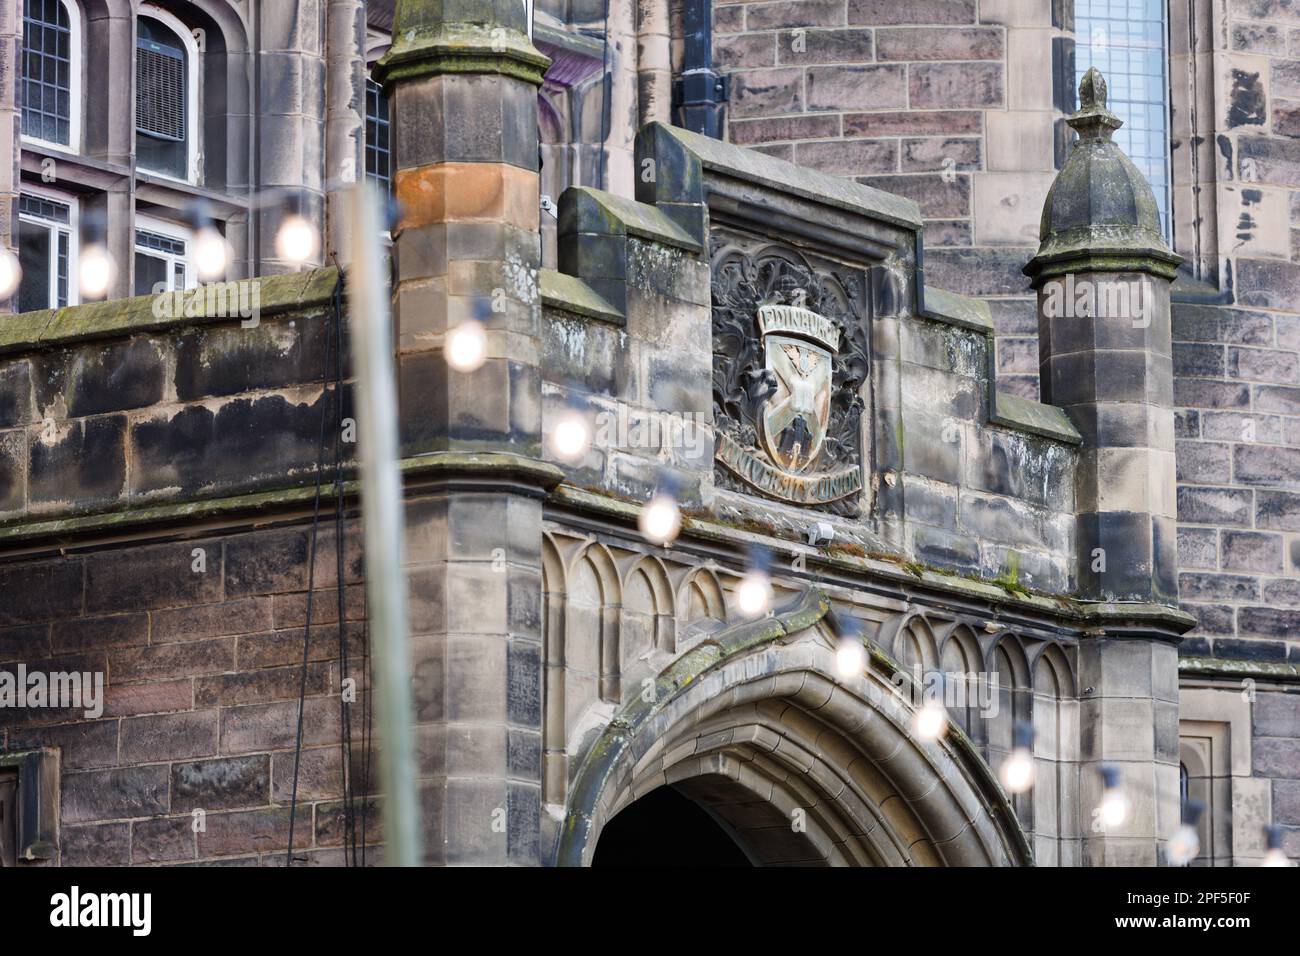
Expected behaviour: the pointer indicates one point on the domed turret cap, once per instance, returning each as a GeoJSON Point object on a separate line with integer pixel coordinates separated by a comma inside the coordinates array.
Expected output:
{"type": "Point", "coordinates": [1100, 214]}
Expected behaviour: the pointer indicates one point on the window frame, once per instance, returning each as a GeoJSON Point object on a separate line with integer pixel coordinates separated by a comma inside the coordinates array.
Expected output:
{"type": "Point", "coordinates": [73, 228]}
{"type": "Point", "coordinates": [169, 230]}
{"type": "Point", "coordinates": [36, 798]}
{"type": "Point", "coordinates": [391, 179]}
{"type": "Point", "coordinates": [192, 71]}
{"type": "Point", "coordinates": [75, 67]}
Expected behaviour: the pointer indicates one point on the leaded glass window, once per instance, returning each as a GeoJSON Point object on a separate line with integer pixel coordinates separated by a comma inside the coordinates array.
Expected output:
{"type": "Point", "coordinates": [48, 63]}
{"type": "Point", "coordinates": [379, 148]}
{"type": "Point", "coordinates": [1128, 41]}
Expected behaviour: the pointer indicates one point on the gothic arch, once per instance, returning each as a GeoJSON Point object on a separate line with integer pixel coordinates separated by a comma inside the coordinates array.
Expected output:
{"type": "Point", "coordinates": [555, 775]}
{"type": "Point", "coordinates": [960, 661]}
{"type": "Point", "coordinates": [753, 723]}
{"type": "Point", "coordinates": [911, 642]}
{"type": "Point", "coordinates": [646, 626]}
{"type": "Point", "coordinates": [700, 597]}
{"type": "Point", "coordinates": [591, 644]}
{"type": "Point", "coordinates": [1055, 772]}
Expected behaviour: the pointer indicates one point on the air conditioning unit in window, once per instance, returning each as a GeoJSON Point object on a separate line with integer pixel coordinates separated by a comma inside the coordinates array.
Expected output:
{"type": "Point", "coordinates": [160, 91]}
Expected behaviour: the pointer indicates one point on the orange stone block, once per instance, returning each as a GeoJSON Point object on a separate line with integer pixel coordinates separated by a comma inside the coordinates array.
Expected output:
{"type": "Point", "coordinates": [468, 192]}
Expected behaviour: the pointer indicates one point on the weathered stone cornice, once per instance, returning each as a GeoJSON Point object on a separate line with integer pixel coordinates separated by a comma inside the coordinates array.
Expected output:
{"type": "Point", "coordinates": [461, 48]}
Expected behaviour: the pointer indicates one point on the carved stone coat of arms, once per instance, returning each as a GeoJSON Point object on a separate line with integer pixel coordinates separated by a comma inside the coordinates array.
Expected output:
{"type": "Point", "coordinates": [790, 359]}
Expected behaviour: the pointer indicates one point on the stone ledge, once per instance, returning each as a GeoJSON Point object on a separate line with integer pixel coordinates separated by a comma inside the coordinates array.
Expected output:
{"type": "Point", "coordinates": [31, 331]}
{"type": "Point", "coordinates": [1023, 414]}
{"type": "Point", "coordinates": [571, 294]}
{"type": "Point", "coordinates": [1220, 667]}
{"type": "Point", "coordinates": [961, 310]}
{"type": "Point", "coordinates": [435, 466]}
{"type": "Point", "coordinates": [584, 210]}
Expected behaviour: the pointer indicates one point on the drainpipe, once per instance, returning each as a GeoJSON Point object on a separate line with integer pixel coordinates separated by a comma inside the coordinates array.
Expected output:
{"type": "Point", "coordinates": [700, 93]}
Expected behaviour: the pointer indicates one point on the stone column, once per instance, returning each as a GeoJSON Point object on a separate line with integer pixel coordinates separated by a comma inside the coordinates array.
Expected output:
{"type": "Point", "coordinates": [109, 133]}
{"type": "Point", "coordinates": [345, 125]}
{"type": "Point", "coordinates": [289, 110]}
{"type": "Point", "coordinates": [464, 80]}
{"type": "Point", "coordinates": [11, 41]}
{"type": "Point", "coordinates": [1102, 274]}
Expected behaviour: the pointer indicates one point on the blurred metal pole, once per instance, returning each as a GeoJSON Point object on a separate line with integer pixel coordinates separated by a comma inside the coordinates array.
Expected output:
{"type": "Point", "coordinates": [384, 523]}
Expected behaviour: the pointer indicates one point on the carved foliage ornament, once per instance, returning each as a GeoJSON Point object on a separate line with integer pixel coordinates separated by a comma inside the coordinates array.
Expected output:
{"type": "Point", "coordinates": [789, 361]}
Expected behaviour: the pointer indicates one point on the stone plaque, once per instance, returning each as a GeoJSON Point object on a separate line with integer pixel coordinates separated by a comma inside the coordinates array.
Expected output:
{"type": "Point", "coordinates": [790, 360]}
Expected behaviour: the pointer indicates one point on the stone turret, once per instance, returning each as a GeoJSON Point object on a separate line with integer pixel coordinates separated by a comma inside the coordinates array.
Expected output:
{"type": "Point", "coordinates": [1102, 274]}
{"type": "Point", "coordinates": [464, 77]}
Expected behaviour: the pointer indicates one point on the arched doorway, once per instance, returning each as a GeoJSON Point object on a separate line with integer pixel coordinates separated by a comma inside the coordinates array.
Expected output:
{"type": "Point", "coordinates": [637, 836]}
{"type": "Point", "coordinates": [795, 764]}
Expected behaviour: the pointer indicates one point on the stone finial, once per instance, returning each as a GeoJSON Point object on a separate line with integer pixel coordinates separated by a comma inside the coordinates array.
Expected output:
{"type": "Point", "coordinates": [1100, 214]}
{"type": "Point", "coordinates": [1093, 121]}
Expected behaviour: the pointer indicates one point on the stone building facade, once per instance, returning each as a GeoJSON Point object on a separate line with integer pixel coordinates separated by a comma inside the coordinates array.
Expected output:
{"type": "Point", "coordinates": [834, 334]}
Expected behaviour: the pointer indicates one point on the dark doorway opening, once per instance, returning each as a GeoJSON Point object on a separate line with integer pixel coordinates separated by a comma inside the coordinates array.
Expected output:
{"type": "Point", "coordinates": [665, 828]}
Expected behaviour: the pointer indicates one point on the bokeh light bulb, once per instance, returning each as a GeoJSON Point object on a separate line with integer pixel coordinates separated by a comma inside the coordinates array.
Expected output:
{"type": "Point", "coordinates": [931, 720]}
{"type": "Point", "coordinates": [661, 519]}
{"type": "Point", "coordinates": [571, 436]}
{"type": "Point", "coordinates": [1114, 804]}
{"type": "Point", "coordinates": [1017, 771]}
{"type": "Point", "coordinates": [95, 271]}
{"type": "Point", "coordinates": [211, 253]}
{"type": "Point", "coordinates": [754, 596]}
{"type": "Point", "coordinates": [467, 346]}
{"type": "Point", "coordinates": [11, 274]}
{"type": "Point", "coordinates": [850, 657]}
{"type": "Point", "coordinates": [296, 240]}
{"type": "Point", "coordinates": [1184, 845]}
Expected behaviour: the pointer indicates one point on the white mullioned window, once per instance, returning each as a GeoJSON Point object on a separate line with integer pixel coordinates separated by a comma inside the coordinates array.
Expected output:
{"type": "Point", "coordinates": [163, 253]}
{"type": "Point", "coordinates": [47, 250]}
{"type": "Point", "coordinates": [50, 89]}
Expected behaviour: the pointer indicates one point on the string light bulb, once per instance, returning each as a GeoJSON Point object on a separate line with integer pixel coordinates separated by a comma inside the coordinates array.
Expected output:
{"type": "Point", "coordinates": [571, 435]}
{"type": "Point", "coordinates": [1114, 806]}
{"type": "Point", "coordinates": [212, 254]}
{"type": "Point", "coordinates": [466, 348]}
{"type": "Point", "coordinates": [1017, 771]}
{"type": "Point", "coordinates": [931, 721]}
{"type": "Point", "coordinates": [296, 240]}
{"type": "Point", "coordinates": [11, 274]}
{"type": "Point", "coordinates": [95, 270]}
{"type": "Point", "coordinates": [1185, 844]}
{"type": "Point", "coordinates": [1274, 855]}
{"type": "Point", "coordinates": [754, 594]}
{"type": "Point", "coordinates": [660, 520]}
{"type": "Point", "coordinates": [850, 654]}
{"type": "Point", "coordinates": [95, 267]}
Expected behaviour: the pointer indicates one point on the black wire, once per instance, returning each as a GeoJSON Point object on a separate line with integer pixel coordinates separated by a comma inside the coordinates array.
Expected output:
{"type": "Point", "coordinates": [306, 634]}
{"type": "Point", "coordinates": [345, 713]}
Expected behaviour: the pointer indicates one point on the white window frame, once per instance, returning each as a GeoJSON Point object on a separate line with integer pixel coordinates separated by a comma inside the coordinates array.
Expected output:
{"type": "Point", "coordinates": [192, 65]}
{"type": "Point", "coordinates": [73, 229]}
{"type": "Point", "coordinates": [74, 89]}
{"type": "Point", "coordinates": [172, 231]}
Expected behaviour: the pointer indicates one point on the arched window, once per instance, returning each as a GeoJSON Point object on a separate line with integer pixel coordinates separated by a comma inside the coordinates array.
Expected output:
{"type": "Point", "coordinates": [51, 87]}
{"type": "Point", "coordinates": [167, 116]}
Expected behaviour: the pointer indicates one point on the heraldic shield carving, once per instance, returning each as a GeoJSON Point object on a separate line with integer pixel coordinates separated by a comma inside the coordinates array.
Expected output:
{"type": "Point", "coordinates": [790, 358]}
